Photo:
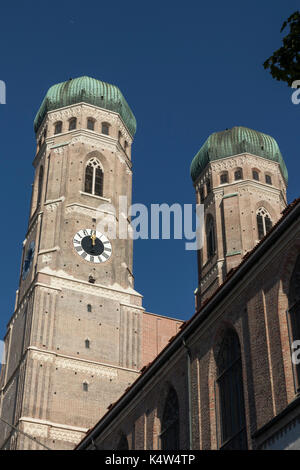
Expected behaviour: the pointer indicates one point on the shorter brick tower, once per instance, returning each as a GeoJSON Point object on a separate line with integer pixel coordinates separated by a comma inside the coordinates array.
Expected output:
{"type": "Point", "coordinates": [240, 177]}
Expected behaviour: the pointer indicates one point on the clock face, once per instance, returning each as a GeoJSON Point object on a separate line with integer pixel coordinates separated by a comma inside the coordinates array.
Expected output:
{"type": "Point", "coordinates": [29, 254]}
{"type": "Point", "coordinates": [92, 246]}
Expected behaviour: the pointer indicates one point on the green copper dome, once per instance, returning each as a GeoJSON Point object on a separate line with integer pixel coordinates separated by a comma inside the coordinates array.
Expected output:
{"type": "Point", "coordinates": [233, 142]}
{"type": "Point", "coordinates": [87, 90]}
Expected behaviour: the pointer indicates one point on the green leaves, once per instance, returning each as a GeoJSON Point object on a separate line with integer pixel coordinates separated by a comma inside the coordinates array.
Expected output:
{"type": "Point", "coordinates": [284, 64]}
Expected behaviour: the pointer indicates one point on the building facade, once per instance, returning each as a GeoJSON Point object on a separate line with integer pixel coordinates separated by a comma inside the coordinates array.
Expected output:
{"type": "Point", "coordinates": [230, 378]}
{"type": "Point", "coordinates": [79, 334]}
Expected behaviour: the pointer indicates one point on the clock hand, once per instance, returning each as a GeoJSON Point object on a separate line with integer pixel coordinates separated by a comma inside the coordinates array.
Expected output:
{"type": "Point", "coordinates": [93, 238]}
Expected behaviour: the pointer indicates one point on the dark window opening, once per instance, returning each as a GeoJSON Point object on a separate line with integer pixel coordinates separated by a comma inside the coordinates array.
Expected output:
{"type": "Point", "coordinates": [170, 423]}
{"type": "Point", "coordinates": [72, 124]}
{"type": "Point", "coordinates": [105, 128]}
{"type": "Point", "coordinates": [231, 394]}
{"type": "Point", "coordinates": [238, 174]}
{"type": "Point", "coordinates": [123, 443]}
{"type": "Point", "coordinates": [294, 314]}
{"type": "Point", "coordinates": [91, 124]}
{"type": "Point", "coordinates": [88, 188]}
{"type": "Point", "coordinates": [202, 195]}
{"type": "Point", "coordinates": [58, 127]}
{"type": "Point", "coordinates": [208, 186]}
{"type": "Point", "coordinates": [40, 184]}
{"type": "Point", "coordinates": [255, 175]}
{"type": "Point", "coordinates": [224, 178]}
{"type": "Point", "coordinates": [99, 182]}
{"type": "Point", "coordinates": [210, 237]}
{"type": "Point", "coordinates": [268, 179]}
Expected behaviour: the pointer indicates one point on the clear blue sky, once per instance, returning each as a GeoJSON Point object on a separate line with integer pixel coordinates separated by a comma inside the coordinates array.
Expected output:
{"type": "Point", "coordinates": [187, 69]}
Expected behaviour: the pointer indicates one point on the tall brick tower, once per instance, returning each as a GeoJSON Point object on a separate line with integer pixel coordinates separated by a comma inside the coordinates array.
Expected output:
{"type": "Point", "coordinates": [240, 177]}
{"type": "Point", "coordinates": [74, 341]}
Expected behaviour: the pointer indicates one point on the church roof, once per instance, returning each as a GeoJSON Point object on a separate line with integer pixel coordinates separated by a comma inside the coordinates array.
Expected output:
{"type": "Point", "coordinates": [234, 276]}
{"type": "Point", "coordinates": [87, 90]}
{"type": "Point", "coordinates": [233, 142]}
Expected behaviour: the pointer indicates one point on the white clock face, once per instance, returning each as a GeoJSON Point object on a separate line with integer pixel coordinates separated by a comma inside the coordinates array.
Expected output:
{"type": "Point", "coordinates": [92, 246]}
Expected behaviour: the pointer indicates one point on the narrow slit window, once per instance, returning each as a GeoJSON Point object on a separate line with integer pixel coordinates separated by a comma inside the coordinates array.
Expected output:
{"type": "Point", "coordinates": [85, 386]}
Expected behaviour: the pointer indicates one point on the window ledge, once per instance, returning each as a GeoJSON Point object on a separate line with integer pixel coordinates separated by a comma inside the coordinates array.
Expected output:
{"type": "Point", "coordinates": [96, 197]}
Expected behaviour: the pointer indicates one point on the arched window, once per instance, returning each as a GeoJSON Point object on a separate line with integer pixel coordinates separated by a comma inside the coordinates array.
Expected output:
{"type": "Point", "coordinates": [125, 146]}
{"type": "Point", "coordinates": [72, 124]}
{"type": "Point", "coordinates": [210, 237]}
{"type": "Point", "coordinates": [238, 174]}
{"type": "Point", "coordinates": [294, 312]}
{"type": "Point", "coordinates": [58, 127]}
{"type": "Point", "coordinates": [268, 179]}
{"type": "Point", "coordinates": [123, 443]}
{"type": "Point", "coordinates": [105, 128]}
{"type": "Point", "coordinates": [90, 124]}
{"type": "Point", "coordinates": [89, 307]}
{"type": "Point", "coordinates": [255, 175]}
{"type": "Point", "coordinates": [264, 222]}
{"type": "Point", "coordinates": [119, 136]}
{"type": "Point", "coordinates": [231, 394]}
{"type": "Point", "coordinates": [87, 343]}
{"type": "Point", "coordinates": [224, 177]}
{"type": "Point", "coordinates": [40, 184]}
{"type": "Point", "coordinates": [169, 435]}
{"type": "Point", "coordinates": [94, 178]}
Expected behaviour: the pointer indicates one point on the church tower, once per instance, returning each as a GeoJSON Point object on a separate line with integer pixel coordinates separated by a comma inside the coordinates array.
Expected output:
{"type": "Point", "coordinates": [240, 177]}
{"type": "Point", "coordinates": [73, 343]}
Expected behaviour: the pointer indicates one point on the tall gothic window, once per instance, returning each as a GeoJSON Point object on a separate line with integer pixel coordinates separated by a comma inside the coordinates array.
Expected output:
{"type": "Point", "coordinates": [294, 311]}
{"type": "Point", "coordinates": [105, 128]}
{"type": "Point", "coordinates": [40, 184]}
{"type": "Point", "coordinates": [72, 124]}
{"type": "Point", "coordinates": [58, 127]}
{"type": "Point", "coordinates": [90, 124]}
{"type": "Point", "coordinates": [231, 394]}
{"type": "Point", "coordinates": [94, 178]}
{"type": "Point", "coordinates": [210, 237]}
{"type": "Point", "coordinates": [208, 186]}
{"type": "Point", "coordinates": [202, 195]}
{"type": "Point", "coordinates": [170, 423]}
{"type": "Point", "coordinates": [264, 222]}
{"type": "Point", "coordinates": [238, 174]}
{"type": "Point", "coordinates": [224, 177]}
